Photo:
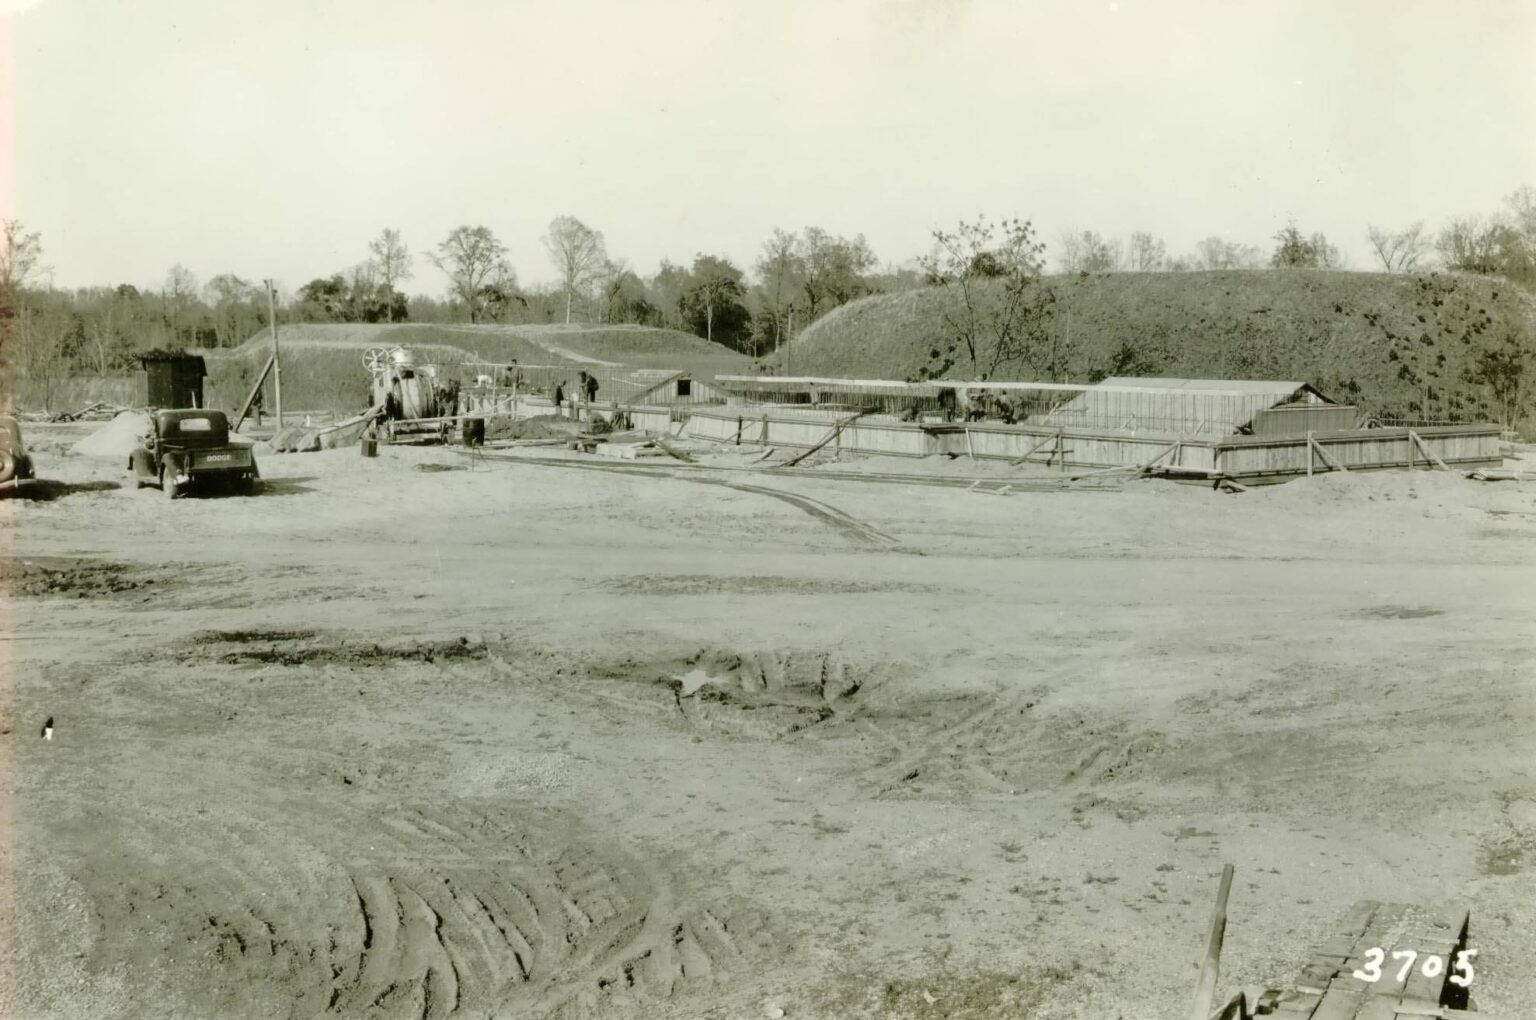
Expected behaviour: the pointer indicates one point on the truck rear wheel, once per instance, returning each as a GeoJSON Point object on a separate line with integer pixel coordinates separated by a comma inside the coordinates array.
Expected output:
{"type": "Point", "coordinates": [7, 466]}
{"type": "Point", "coordinates": [168, 487]}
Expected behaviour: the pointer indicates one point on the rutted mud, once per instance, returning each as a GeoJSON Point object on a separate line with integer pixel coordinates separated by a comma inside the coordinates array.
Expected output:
{"type": "Point", "coordinates": [304, 647]}
{"type": "Point", "coordinates": [429, 913]}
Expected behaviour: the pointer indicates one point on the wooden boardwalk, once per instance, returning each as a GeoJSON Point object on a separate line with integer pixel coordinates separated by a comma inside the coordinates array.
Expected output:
{"type": "Point", "coordinates": [1376, 939]}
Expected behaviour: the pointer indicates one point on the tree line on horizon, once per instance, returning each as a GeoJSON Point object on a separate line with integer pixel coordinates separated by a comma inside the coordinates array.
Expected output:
{"type": "Point", "coordinates": [797, 277]}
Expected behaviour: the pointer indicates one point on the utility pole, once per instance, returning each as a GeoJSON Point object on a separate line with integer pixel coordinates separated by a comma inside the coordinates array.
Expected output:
{"type": "Point", "coordinates": [277, 362]}
{"type": "Point", "coordinates": [789, 343]}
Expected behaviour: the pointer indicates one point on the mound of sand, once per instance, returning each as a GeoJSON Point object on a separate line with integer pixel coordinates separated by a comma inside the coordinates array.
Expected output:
{"type": "Point", "coordinates": [544, 426]}
{"type": "Point", "coordinates": [121, 436]}
{"type": "Point", "coordinates": [116, 439]}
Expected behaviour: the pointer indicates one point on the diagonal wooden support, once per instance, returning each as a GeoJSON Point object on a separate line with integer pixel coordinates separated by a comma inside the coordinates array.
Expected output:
{"type": "Point", "coordinates": [837, 430]}
{"type": "Point", "coordinates": [1324, 455]}
{"type": "Point", "coordinates": [1205, 991]}
{"type": "Point", "coordinates": [1036, 449]}
{"type": "Point", "coordinates": [251, 399]}
{"type": "Point", "coordinates": [1429, 454]}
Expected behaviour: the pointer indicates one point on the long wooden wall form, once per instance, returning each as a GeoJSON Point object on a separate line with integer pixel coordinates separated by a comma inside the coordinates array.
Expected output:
{"type": "Point", "coordinates": [1252, 457]}
{"type": "Point", "coordinates": [1234, 456]}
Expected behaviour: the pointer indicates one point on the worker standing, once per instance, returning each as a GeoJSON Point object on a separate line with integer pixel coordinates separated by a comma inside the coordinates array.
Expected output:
{"type": "Point", "coordinates": [559, 398]}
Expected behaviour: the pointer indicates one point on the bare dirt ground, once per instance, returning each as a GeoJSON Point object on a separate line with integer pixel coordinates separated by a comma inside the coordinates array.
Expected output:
{"type": "Point", "coordinates": [528, 741]}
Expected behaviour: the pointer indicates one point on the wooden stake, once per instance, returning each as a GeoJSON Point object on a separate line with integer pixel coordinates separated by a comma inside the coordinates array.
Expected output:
{"type": "Point", "coordinates": [277, 361]}
{"type": "Point", "coordinates": [1205, 991]}
{"type": "Point", "coordinates": [1310, 447]}
{"type": "Point", "coordinates": [969, 449]}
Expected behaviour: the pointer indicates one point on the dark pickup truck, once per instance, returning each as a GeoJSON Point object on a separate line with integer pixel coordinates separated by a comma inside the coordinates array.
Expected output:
{"type": "Point", "coordinates": [188, 448]}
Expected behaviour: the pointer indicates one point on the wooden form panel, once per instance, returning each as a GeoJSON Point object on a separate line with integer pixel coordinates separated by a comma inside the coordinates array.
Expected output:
{"type": "Point", "coordinates": [1327, 989]}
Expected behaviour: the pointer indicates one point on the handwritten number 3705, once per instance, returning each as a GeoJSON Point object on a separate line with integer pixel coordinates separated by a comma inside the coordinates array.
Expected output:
{"type": "Point", "coordinates": [1431, 967]}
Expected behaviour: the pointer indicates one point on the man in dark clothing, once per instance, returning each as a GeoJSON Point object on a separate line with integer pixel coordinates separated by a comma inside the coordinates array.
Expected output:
{"type": "Point", "coordinates": [559, 396]}
{"type": "Point", "coordinates": [591, 388]}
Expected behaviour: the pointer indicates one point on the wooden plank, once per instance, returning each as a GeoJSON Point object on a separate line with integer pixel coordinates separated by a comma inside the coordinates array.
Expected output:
{"type": "Point", "coordinates": [1205, 989]}
{"type": "Point", "coordinates": [1378, 1007]}
{"type": "Point", "coordinates": [1340, 1003]}
{"type": "Point", "coordinates": [1298, 1003]}
{"type": "Point", "coordinates": [837, 430]}
{"type": "Point", "coordinates": [1035, 449]}
{"type": "Point", "coordinates": [245, 408]}
{"type": "Point", "coordinates": [1324, 454]}
{"type": "Point", "coordinates": [1424, 448]}
{"type": "Point", "coordinates": [662, 444]}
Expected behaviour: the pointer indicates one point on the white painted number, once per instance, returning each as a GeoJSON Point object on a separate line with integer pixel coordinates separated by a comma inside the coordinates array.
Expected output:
{"type": "Point", "coordinates": [1432, 966]}
{"type": "Point", "coordinates": [1463, 963]}
{"type": "Point", "coordinates": [1372, 971]}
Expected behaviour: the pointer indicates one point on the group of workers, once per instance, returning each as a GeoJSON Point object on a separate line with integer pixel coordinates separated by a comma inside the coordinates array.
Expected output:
{"type": "Point", "coordinates": [586, 388]}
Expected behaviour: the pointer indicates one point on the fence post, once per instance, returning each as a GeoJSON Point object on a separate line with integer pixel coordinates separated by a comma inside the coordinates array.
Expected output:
{"type": "Point", "coordinates": [1309, 454]}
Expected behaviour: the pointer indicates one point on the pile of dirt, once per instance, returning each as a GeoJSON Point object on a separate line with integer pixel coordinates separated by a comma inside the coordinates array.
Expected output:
{"type": "Point", "coordinates": [544, 426]}
{"type": "Point", "coordinates": [116, 439]}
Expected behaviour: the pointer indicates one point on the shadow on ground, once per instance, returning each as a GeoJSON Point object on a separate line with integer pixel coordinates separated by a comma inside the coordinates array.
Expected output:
{"type": "Point", "coordinates": [44, 489]}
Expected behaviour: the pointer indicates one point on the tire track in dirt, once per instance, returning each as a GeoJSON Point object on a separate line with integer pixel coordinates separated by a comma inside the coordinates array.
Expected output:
{"type": "Point", "coordinates": [424, 913]}
{"type": "Point", "coordinates": [1001, 746]}
{"type": "Point", "coordinates": [851, 527]}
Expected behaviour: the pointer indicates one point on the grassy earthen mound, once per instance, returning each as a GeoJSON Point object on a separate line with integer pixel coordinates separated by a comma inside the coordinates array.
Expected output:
{"type": "Point", "coordinates": [1376, 340]}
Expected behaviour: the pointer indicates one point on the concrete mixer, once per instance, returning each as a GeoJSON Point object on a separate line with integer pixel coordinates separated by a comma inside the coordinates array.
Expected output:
{"type": "Point", "coordinates": [413, 398]}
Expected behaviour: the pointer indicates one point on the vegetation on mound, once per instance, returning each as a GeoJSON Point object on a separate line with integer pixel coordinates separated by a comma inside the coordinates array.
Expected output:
{"type": "Point", "coordinates": [323, 364]}
{"type": "Point", "coordinates": [1436, 346]}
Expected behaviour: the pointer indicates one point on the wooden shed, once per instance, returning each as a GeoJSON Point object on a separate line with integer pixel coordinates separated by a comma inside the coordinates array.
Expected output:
{"type": "Point", "coordinates": [171, 379]}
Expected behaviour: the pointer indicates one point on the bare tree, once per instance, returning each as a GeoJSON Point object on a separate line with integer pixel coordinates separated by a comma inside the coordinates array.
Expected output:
{"type": "Point", "coordinates": [1215, 253]}
{"type": "Point", "coordinates": [831, 269]}
{"type": "Point", "coordinates": [391, 261]}
{"type": "Point", "coordinates": [177, 301]}
{"type": "Point", "coordinates": [996, 313]}
{"type": "Point", "coordinates": [577, 252]}
{"type": "Point", "coordinates": [469, 257]}
{"type": "Point", "coordinates": [1085, 251]}
{"type": "Point", "coordinates": [780, 271]}
{"type": "Point", "coordinates": [1145, 253]}
{"type": "Point", "coordinates": [20, 257]}
{"type": "Point", "coordinates": [1400, 252]}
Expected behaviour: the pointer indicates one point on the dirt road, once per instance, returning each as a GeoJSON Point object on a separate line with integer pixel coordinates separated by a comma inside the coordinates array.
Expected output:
{"type": "Point", "coordinates": [526, 741]}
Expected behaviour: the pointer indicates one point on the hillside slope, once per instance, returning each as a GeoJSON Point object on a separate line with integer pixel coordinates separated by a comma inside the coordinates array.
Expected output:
{"type": "Point", "coordinates": [1349, 333]}
{"type": "Point", "coordinates": [323, 363]}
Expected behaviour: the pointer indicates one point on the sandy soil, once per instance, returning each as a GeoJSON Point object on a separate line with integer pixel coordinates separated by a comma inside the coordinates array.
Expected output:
{"type": "Point", "coordinates": [423, 737]}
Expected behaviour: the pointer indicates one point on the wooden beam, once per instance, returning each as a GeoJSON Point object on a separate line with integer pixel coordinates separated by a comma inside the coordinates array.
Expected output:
{"type": "Point", "coordinates": [1428, 453]}
{"type": "Point", "coordinates": [251, 398]}
{"type": "Point", "coordinates": [1324, 454]}
{"type": "Point", "coordinates": [667, 447]}
{"type": "Point", "coordinates": [1036, 449]}
{"type": "Point", "coordinates": [1205, 990]}
{"type": "Point", "coordinates": [837, 430]}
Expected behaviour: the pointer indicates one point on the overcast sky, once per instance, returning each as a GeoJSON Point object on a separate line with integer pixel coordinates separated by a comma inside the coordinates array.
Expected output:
{"type": "Point", "coordinates": [277, 138]}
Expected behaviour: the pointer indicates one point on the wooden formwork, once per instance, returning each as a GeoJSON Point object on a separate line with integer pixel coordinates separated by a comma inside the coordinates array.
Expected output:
{"type": "Point", "coordinates": [1244, 458]}
{"type": "Point", "coordinates": [1252, 457]}
{"type": "Point", "coordinates": [1388, 961]}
